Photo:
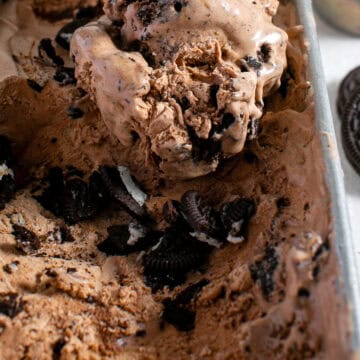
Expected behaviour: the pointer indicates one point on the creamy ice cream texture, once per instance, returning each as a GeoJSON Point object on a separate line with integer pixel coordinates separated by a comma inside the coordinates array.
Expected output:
{"type": "Point", "coordinates": [275, 295]}
{"type": "Point", "coordinates": [186, 78]}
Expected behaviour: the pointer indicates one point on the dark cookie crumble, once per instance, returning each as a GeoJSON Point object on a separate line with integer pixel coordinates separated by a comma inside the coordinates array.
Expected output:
{"type": "Point", "coordinates": [65, 76]}
{"type": "Point", "coordinates": [7, 180]}
{"type": "Point", "coordinates": [35, 85]}
{"type": "Point", "coordinates": [75, 112]}
{"type": "Point", "coordinates": [72, 198]}
{"type": "Point", "coordinates": [11, 304]}
{"type": "Point", "coordinates": [263, 270]}
{"type": "Point", "coordinates": [26, 240]}
{"type": "Point", "coordinates": [63, 37]}
{"type": "Point", "coordinates": [46, 49]}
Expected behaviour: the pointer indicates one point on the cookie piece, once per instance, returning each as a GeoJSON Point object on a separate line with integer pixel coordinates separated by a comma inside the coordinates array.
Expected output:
{"type": "Point", "coordinates": [63, 37]}
{"type": "Point", "coordinates": [235, 217]}
{"type": "Point", "coordinates": [203, 219]}
{"type": "Point", "coordinates": [263, 270]}
{"type": "Point", "coordinates": [348, 87]}
{"type": "Point", "coordinates": [167, 263]}
{"type": "Point", "coordinates": [65, 76]}
{"type": "Point", "coordinates": [11, 304]}
{"type": "Point", "coordinates": [78, 204]}
{"type": "Point", "coordinates": [127, 239]}
{"type": "Point", "coordinates": [182, 318]}
{"type": "Point", "coordinates": [350, 131]}
{"type": "Point", "coordinates": [116, 187]}
{"type": "Point", "coordinates": [178, 312]}
{"type": "Point", "coordinates": [47, 51]}
{"type": "Point", "coordinates": [172, 212]}
{"type": "Point", "coordinates": [7, 181]}
{"type": "Point", "coordinates": [175, 252]}
{"type": "Point", "coordinates": [26, 240]}
{"type": "Point", "coordinates": [73, 199]}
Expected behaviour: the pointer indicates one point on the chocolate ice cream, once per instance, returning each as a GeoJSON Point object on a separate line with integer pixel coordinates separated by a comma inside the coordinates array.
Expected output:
{"type": "Point", "coordinates": [186, 78]}
{"type": "Point", "coordinates": [103, 255]}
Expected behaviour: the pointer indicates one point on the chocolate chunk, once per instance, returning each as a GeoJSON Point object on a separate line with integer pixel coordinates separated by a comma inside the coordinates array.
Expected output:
{"type": "Point", "coordinates": [75, 112]}
{"type": "Point", "coordinates": [34, 85]}
{"type": "Point", "coordinates": [350, 131]}
{"type": "Point", "coordinates": [182, 318]}
{"type": "Point", "coordinates": [348, 88]}
{"type": "Point", "coordinates": [118, 191]}
{"type": "Point", "coordinates": [263, 270]}
{"type": "Point", "coordinates": [11, 304]}
{"type": "Point", "coordinates": [63, 37]}
{"type": "Point", "coordinates": [65, 76]}
{"type": "Point", "coordinates": [46, 48]}
{"type": "Point", "coordinates": [200, 216]}
{"type": "Point", "coordinates": [26, 240]}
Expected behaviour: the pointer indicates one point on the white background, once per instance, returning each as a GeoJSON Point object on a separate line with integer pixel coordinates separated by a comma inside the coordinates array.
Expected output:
{"type": "Point", "coordinates": [340, 54]}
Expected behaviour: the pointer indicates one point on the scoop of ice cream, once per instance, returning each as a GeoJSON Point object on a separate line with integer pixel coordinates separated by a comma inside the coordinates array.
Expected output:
{"type": "Point", "coordinates": [186, 77]}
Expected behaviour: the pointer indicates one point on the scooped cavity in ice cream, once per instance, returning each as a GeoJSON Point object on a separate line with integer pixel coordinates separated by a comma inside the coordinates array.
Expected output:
{"type": "Point", "coordinates": [185, 78]}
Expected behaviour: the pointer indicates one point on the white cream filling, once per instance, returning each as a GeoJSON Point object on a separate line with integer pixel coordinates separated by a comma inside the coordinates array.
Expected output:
{"type": "Point", "coordinates": [4, 170]}
{"type": "Point", "coordinates": [235, 229]}
{"type": "Point", "coordinates": [137, 232]}
{"type": "Point", "coordinates": [138, 195]}
{"type": "Point", "coordinates": [206, 239]}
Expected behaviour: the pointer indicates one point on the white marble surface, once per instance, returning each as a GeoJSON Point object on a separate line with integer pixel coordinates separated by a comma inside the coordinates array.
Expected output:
{"type": "Point", "coordinates": [341, 53]}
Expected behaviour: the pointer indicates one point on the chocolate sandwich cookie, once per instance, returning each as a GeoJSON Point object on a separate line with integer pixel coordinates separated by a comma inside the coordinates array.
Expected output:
{"type": "Point", "coordinates": [348, 87]}
{"type": "Point", "coordinates": [350, 131]}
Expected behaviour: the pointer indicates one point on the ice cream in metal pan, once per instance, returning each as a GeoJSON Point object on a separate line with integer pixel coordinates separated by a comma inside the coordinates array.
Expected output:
{"type": "Point", "coordinates": [103, 255]}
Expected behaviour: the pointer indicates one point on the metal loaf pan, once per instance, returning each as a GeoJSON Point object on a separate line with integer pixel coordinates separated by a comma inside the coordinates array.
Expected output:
{"type": "Point", "coordinates": [348, 284]}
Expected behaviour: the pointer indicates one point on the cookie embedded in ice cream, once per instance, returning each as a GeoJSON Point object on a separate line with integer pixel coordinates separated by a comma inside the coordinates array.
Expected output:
{"type": "Point", "coordinates": [7, 181]}
{"type": "Point", "coordinates": [185, 78]}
